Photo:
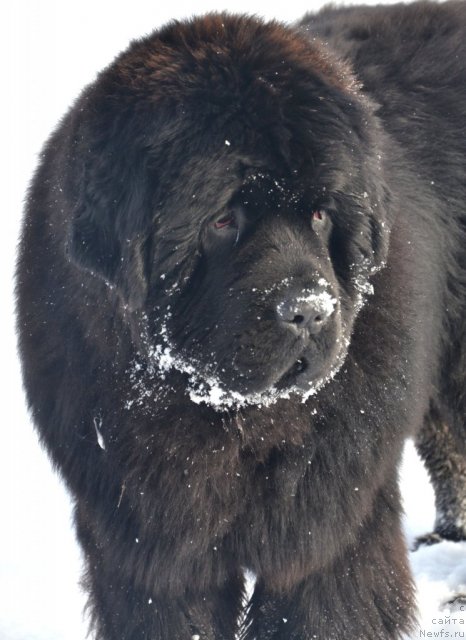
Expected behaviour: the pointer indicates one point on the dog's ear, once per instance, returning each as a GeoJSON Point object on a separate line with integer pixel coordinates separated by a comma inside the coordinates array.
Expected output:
{"type": "Point", "coordinates": [383, 200]}
{"type": "Point", "coordinates": [381, 223]}
{"type": "Point", "coordinates": [108, 229]}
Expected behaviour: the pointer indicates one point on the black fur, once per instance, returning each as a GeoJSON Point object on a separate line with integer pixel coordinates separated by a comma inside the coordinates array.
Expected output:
{"type": "Point", "coordinates": [200, 237]}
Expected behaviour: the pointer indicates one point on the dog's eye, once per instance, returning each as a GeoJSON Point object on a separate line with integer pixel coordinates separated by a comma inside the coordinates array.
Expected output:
{"type": "Point", "coordinates": [318, 215]}
{"type": "Point", "coordinates": [225, 221]}
{"type": "Point", "coordinates": [225, 229]}
{"type": "Point", "coordinates": [320, 221]}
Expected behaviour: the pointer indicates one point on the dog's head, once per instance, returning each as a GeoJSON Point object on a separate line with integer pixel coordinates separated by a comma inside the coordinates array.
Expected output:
{"type": "Point", "coordinates": [227, 181]}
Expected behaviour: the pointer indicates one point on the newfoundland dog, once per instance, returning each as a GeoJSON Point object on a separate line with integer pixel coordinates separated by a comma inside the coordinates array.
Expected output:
{"type": "Point", "coordinates": [241, 285]}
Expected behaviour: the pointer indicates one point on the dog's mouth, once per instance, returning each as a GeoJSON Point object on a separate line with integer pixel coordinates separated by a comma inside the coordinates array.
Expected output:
{"type": "Point", "coordinates": [292, 376]}
{"type": "Point", "coordinates": [305, 377]}
{"type": "Point", "coordinates": [305, 373]}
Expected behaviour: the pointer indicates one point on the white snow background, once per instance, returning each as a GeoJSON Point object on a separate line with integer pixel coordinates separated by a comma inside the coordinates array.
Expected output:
{"type": "Point", "coordinates": [49, 51]}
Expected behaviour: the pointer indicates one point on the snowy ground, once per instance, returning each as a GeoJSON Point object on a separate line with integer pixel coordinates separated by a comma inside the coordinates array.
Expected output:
{"type": "Point", "coordinates": [50, 51]}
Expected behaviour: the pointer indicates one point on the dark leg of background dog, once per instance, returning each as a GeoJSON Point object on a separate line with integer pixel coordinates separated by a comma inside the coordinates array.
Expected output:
{"type": "Point", "coordinates": [441, 442]}
{"type": "Point", "coordinates": [366, 593]}
{"type": "Point", "coordinates": [442, 446]}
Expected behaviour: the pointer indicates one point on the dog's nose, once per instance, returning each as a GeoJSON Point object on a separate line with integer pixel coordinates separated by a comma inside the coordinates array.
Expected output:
{"type": "Point", "coordinates": [307, 309]}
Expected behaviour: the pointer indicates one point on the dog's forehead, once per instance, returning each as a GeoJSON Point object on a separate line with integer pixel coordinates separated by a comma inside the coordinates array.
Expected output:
{"type": "Point", "coordinates": [236, 72]}
{"type": "Point", "coordinates": [224, 51]}
{"type": "Point", "coordinates": [198, 102]}
{"type": "Point", "coordinates": [202, 98]}
{"type": "Point", "coordinates": [211, 178]}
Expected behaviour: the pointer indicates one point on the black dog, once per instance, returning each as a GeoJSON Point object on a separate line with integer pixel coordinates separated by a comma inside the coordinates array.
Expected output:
{"type": "Point", "coordinates": [241, 285]}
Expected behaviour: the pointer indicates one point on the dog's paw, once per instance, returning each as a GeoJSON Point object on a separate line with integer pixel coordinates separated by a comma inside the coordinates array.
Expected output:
{"type": "Point", "coordinates": [457, 603]}
{"type": "Point", "coordinates": [428, 539]}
